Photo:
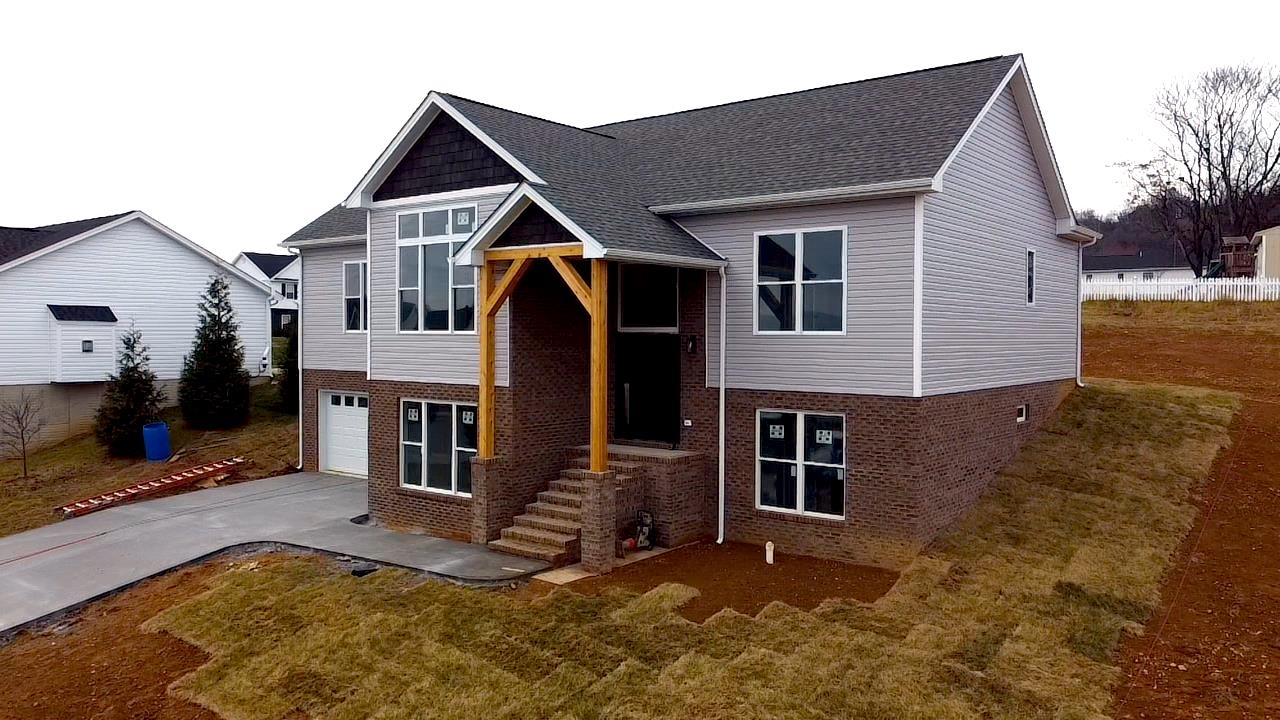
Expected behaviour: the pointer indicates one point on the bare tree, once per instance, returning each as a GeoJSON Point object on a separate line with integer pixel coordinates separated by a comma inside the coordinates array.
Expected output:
{"type": "Point", "coordinates": [1217, 168]}
{"type": "Point", "coordinates": [21, 419]}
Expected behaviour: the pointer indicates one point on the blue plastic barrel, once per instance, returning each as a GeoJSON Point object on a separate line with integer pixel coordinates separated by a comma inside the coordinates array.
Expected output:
{"type": "Point", "coordinates": [155, 438]}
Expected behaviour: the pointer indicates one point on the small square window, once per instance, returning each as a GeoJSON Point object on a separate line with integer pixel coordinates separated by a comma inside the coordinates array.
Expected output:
{"type": "Point", "coordinates": [1022, 413]}
{"type": "Point", "coordinates": [362, 402]}
{"type": "Point", "coordinates": [349, 400]}
{"type": "Point", "coordinates": [335, 399]}
{"type": "Point", "coordinates": [86, 346]}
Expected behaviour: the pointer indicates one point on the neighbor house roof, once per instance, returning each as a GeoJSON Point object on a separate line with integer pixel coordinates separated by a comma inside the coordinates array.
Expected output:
{"type": "Point", "coordinates": [18, 242]}
{"type": "Point", "coordinates": [82, 313]}
{"type": "Point", "coordinates": [614, 185]}
{"type": "Point", "coordinates": [270, 263]}
{"type": "Point", "coordinates": [336, 222]}
{"type": "Point", "coordinates": [1151, 257]}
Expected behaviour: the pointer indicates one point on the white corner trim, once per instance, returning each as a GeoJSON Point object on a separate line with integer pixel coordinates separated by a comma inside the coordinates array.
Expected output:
{"type": "Point", "coordinates": [156, 225]}
{"type": "Point", "coordinates": [802, 197]}
{"type": "Point", "coordinates": [433, 105]}
{"type": "Point", "coordinates": [506, 213]}
{"type": "Point", "coordinates": [917, 302]}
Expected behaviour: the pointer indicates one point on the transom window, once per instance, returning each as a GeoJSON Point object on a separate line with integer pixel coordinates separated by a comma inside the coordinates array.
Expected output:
{"type": "Point", "coordinates": [800, 462]}
{"type": "Point", "coordinates": [434, 294]}
{"type": "Point", "coordinates": [1031, 277]}
{"type": "Point", "coordinates": [437, 442]}
{"type": "Point", "coordinates": [800, 281]}
{"type": "Point", "coordinates": [355, 296]}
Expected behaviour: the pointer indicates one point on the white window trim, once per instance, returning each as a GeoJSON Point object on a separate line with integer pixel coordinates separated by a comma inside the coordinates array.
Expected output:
{"type": "Point", "coordinates": [673, 330]}
{"type": "Point", "coordinates": [1030, 273]}
{"type": "Point", "coordinates": [799, 283]}
{"type": "Point", "coordinates": [453, 445]}
{"type": "Point", "coordinates": [364, 297]}
{"type": "Point", "coordinates": [1022, 412]}
{"type": "Point", "coordinates": [420, 242]}
{"type": "Point", "coordinates": [800, 463]}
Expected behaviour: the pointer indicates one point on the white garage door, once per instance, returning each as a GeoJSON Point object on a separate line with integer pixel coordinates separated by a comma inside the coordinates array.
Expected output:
{"type": "Point", "coordinates": [344, 442]}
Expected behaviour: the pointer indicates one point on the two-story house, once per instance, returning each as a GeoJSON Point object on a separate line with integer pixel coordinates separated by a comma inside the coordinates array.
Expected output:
{"type": "Point", "coordinates": [281, 272]}
{"type": "Point", "coordinates": [824, 318]}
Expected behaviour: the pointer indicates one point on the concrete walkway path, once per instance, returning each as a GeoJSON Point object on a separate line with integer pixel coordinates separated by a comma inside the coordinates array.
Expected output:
{"type": "Point", "coordinates": [62, 565]}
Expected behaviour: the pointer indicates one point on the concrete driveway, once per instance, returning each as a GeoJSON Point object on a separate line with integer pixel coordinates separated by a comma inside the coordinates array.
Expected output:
{"type": "Point", "coordinates": [62, 565]}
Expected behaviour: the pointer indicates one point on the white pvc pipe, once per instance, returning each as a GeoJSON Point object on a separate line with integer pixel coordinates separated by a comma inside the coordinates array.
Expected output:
{"type": "Point", "coordinates": [723, 342]}
{"type": "Point", "coordinates": [302, 419]}
{"type": "Point", "coordinates": [1079, 314]}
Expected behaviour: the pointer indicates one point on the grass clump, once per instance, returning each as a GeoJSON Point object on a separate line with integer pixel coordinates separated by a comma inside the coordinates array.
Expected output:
{"type": "Point", "coordinates": [1015, 613]}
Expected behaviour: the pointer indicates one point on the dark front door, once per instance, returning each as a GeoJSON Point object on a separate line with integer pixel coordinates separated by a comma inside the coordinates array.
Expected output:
{"type": "Point", "coordinates": [648, 387]}
{"type": "Point", "coordinates": [647, 355]}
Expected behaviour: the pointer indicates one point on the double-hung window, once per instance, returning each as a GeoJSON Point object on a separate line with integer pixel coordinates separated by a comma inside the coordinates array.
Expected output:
{"type": "Point", "coordinates": [355, 296]}
{"type": "Point", "coordinates": [289, 290]}
{"type": "Point", "coordinates": [437, 442]}
{"type": "Point", "coordinates": [433, 293]}
{"type": "Point", "coordinates": [1031, 276]}
{"type": "Point", "coordinates": [800, 281]}
{"type": "Point", "coordinates": [800, 461]}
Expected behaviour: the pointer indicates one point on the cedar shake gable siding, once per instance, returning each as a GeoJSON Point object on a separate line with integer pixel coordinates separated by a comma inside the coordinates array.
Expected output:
{"type": "Point", "coordinates": [445, 158]}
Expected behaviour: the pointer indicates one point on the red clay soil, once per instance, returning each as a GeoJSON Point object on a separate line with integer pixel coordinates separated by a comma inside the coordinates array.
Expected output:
{"type": "Point", "coordinates": [735, 575]}
{"type": "Point", "coordinates": [1212, 650]}
{"type": "Point", "coordinates": [99, 664]}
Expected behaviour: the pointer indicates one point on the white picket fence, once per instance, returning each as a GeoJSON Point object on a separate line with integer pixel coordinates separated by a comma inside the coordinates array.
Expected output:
{"type": "Point", "coordinates": [1202, 290]}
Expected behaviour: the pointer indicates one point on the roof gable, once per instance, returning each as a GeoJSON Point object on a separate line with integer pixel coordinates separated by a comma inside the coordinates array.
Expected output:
{"type": "Point", "coordinates": [270, 263]}
{"type": "Point", "coordinates": [444, 158]}
{"type": "Point", "coordinates": [18, 242]}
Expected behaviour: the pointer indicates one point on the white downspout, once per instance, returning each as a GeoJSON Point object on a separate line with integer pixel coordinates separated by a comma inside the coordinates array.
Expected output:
{"type": "Point", "coordinates": [723, 342]}
{"type": "Point", "coordinates": [1079, 313]}
{"type": "Point", "coordinates": [298, 330]}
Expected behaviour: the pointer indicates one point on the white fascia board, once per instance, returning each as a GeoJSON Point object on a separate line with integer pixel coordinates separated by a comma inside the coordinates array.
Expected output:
{"type": "Point", "coordinates": [431, 107]}
{"type": "Point", "coordinates": [1024, 96]}
{"type": "Point", "coordinates": [442, 197]}
{"type": "Point", "coordinates": [322, 242]}
{"type": "Point", "coordinates": [803, 197]}
{"type": "Point", "coordinates": [637, 256]}
{"type": "Point", "coordinates": [1068, 230]}
{"type": "Point", "coordinates": [510, 209]}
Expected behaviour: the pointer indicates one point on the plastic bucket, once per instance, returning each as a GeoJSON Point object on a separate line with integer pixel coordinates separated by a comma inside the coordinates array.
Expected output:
{"type": "Point", "coordinates": [155, 438]}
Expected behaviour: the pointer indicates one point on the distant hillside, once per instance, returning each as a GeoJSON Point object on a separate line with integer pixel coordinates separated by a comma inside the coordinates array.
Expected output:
{"type": "Point", "coordinates": [1129, 241]}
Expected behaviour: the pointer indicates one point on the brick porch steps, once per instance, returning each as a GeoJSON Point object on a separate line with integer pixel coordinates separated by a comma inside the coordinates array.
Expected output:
{"type": "Point", "coordinates": [550, 510]}
{"type": "Point", "coordinates": [546, 553]}
{"type": "Point", "coordinates": [557, 497]}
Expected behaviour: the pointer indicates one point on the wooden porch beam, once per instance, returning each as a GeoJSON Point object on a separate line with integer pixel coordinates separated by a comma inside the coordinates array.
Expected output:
{"type": "Point", "coordinates": [495, 299]}
{"type": "Point", "coordinates": [546, 251]}
{"type": "Point", "coordinates": [599, 366]}
{"type": "Point", "coordinates": [488, 339]}
{"type": "Point", "coordinates": [574, 281]}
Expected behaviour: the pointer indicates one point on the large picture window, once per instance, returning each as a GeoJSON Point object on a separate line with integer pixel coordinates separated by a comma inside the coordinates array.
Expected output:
{"type": "Point", "coordinates": [433, 293]}
{"type": "Point", "coordinates": [800, 281]}
{"type": "Point", "coordinates": [355, 296]}
{"type": "Point", "coordinates": [800, 462]}
{"type": "Point", "coordinates": [437, 442]}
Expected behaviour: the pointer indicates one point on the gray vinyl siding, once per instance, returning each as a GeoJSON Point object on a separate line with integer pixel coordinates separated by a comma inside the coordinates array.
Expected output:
{"type": "Point", "coordinates": [422, 357]}
{"type": "Point", "coordinates": [978, 331]}
{"type": "Point", "coordinates": [325, 343]}
{"type": "Point", "coordinates": [874, 354]}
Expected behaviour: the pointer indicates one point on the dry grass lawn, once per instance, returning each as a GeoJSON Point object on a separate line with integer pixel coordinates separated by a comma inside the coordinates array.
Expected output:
{"type": "Point", "coordinates": [79, 467]}
{"type": "Point", "coordinates": [1226, 318]}
{"type": "Point", "coordinates": [1014, 615]}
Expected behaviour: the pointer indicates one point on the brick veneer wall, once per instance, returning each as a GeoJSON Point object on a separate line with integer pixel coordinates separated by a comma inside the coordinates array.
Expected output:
{"type": "Point", "coordinates": [313, 382]}
{"type": "Point", "coordinates": [912, 465]}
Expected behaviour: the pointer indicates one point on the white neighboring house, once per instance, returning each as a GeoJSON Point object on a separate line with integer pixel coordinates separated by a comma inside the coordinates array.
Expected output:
{"type": "Point", "coordinates": [69, 291]}
{"type": "Point", "coordinates": [1146, 265]}
{"type": "Point", "coordinates": [1267, 243]}
{"type": "Point", "coordinates": [282, 272]}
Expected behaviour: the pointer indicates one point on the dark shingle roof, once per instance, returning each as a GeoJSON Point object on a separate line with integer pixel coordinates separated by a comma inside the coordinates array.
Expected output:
{"type": "Point", "coordinates": [82, 313]}
{"type": "Point", "coordinates": [17, 242]}
{"type": "Point", "coordinates": [334, 223]}
{"type": "Point", "coordinates": [270, 263]}
{"type": "Point", "coordinates": [1149, 257]}
{"type": "Point", "coordinates": [901, 127]}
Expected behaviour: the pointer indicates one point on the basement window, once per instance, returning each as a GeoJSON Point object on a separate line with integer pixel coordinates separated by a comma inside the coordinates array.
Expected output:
{"type": "Point", "coordinates": [800, 463]}
{"type": "Point", "coordinates": [1022, 413]}
{"type": "Point", "coordinates": [437, 442]}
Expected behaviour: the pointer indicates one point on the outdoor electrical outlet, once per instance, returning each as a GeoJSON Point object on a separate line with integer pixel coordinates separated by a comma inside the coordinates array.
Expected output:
{"type": "Point", "coordinates": [688, 422]}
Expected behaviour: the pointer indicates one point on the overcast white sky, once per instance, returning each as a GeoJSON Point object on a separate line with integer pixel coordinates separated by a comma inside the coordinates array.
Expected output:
{"type": "Point", "coordinates": [236, 123]}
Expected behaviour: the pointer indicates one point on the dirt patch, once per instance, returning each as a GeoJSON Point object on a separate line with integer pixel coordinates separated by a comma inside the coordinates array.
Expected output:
{"type": "Point", "coordinates": [1211, 650]}
{"type": "Point", "coordinates": [99, 664]}
{"type": "Point", "coordinates": [735, 575]}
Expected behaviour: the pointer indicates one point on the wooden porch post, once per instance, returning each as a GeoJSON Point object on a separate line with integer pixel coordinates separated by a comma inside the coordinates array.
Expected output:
{"type": "Point", "coordinates": [488, 338]}
{"type": "Point", "coordinates": [599, 366]}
